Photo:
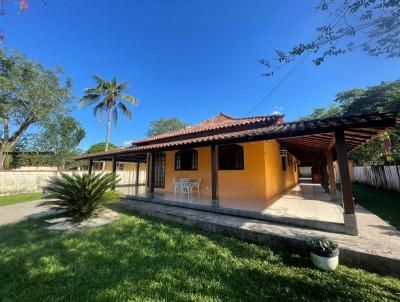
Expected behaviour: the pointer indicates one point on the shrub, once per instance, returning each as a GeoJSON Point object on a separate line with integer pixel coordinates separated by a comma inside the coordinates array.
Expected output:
{"type": "Point", "coordinates": [323, 247]}
{"type": "Point", "coordinates": [82, 195]}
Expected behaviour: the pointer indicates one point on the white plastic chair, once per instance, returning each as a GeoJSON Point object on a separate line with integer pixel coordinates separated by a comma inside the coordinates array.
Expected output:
{"type": "Point", "coordinates": [177, 185]}
{"type": "Point", "coordinates": [195, 185]}
{"type": "Point", "coordinates": [185, 186]}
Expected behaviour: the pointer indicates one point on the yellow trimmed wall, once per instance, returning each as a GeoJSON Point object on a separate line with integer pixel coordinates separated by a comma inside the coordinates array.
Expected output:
{"type": "Point", "coordinates": [262, 177]}
{"type": "Point", "coordinates": [277, 180]}
{"type": "Point", "coordinates": [127, 166]}
{"type": "Point", "coordinates": [248, 183]}
{"type": "Point", "coordinates": [203, 172]}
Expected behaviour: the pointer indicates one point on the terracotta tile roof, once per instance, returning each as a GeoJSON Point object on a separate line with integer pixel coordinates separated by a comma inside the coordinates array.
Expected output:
{"type": "Point", "coordinates": [219, 122]}
{"type": "Point", "coordinates": [223, 128]}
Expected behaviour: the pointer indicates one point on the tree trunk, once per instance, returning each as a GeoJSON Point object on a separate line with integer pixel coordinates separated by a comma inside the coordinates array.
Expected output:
{"type": "Point", "coordinates": [3, 148]}
{"type": "Point", "coordinates": [8, 144]}
{"type": "Point", "coordinates": [2, 159]}
{"type": "Point", "coordinates": [6, 131]}
{"type": "Point", "coordinates": [108, 128]}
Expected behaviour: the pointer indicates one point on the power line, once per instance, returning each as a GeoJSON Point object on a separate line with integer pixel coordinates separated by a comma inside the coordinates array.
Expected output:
{"type": "Point", "coordinates": [335, 20]}
{"type": "Point", "coordinates": [280, 83]}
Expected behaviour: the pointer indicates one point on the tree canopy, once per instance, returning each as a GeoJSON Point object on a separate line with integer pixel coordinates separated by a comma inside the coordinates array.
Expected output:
{"type": "Point", "coordinates": [163, 125]}
{"type": "Point", "coordinates": [372, 25]}
{"type": "Point", "coordinates": [100, 147]}
{"type": "Point", "coordinates": [61, 137]}
{"type": "Point", "coordinates": [384, 97]}
{"type": "Point", "coordinates": [29, 94]}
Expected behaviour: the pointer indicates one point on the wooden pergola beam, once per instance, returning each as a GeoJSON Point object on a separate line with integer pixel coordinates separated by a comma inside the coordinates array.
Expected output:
{"type": "Point", "coordinates": [347, 194]}
{"type": "Point", "coordinates": [90, 168]}
{"type": "Point", "coordinates": [214, 176]}
{"type": "Point", "coordinates": [331, 174]}
{"type": "Point", "coordinates": [137, 174]}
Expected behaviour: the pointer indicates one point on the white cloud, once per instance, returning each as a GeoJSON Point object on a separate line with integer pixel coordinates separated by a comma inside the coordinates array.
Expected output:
{"type": "Point", "coordinates": [127, 143]}
{"type": "Point", "coordinates": [278, 110]}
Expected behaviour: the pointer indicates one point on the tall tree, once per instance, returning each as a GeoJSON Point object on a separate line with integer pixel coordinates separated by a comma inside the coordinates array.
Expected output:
{"type": "Point", "coordinates": [372, 25]}
{"type": "Point", "coordinates": [61, 137]}
{"type": "Point", "coordinates": [108, 96]}
{"type": "Point", "coordinates": [166, 125]}
{"type": "Point", "coordinates": [384, 97]}
{"type": "Point", "coordinates": [29, 94]}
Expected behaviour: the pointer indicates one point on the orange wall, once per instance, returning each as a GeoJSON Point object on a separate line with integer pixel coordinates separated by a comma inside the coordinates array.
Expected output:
{"type": "Point", "coordinates": [277, 180]}
{"type": "Point", "coordinates": [262, 177]}
{"type": "Point", "coordinates": [248, 183]}
{"type": "Point", "coordinates": [203, 172]}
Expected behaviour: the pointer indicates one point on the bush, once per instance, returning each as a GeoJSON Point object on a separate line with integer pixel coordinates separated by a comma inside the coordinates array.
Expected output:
{"type": "Point", "coordinates": [82, 195]}
{"type": "Point", "coordinates": [323, 247]}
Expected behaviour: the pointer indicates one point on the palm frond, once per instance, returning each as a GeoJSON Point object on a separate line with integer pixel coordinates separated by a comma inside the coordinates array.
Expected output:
{"type": "Point", "coordinates": [98, 109]}
{"type": "Point", "coordinates": [130, 99]}
{"type": "Point", "coordinates": [122, 86]}
{"type": "Point", "coordinates": [88, 100]}
{"type": "Point", "coordinates": [125, 110]}
{"type": "Point", "coordinates": [99, 81]}
{"type": "Point", "coordinates": [115, 116]}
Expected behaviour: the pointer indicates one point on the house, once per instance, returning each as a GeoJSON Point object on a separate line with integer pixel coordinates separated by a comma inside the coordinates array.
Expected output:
{"type": "Point", "coordinates": [250, 160]}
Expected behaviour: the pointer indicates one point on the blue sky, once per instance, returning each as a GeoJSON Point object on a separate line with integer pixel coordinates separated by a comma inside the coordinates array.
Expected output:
{"type": "Point", "coordinates": [187, 59]}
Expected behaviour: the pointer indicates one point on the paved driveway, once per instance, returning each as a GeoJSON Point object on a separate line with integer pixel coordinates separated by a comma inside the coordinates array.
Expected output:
{"type": "Point", "coordinates": [24, 210]}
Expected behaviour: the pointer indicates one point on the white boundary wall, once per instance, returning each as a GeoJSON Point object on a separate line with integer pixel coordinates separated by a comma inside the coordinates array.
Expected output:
{"type": "Point", "coordinates": [387, 177]}
{"type": "Point", "coordinates": [13, 182]}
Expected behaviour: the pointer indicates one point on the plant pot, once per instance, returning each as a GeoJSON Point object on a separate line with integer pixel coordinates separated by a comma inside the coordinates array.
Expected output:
{"type": "Point", "coordinates": [327, 262]}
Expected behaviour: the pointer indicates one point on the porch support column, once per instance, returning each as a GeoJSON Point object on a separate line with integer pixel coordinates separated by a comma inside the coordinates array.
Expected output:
{"type": "Point", "coordinates": [137, 174]}
{"type": "Point", "coordinates": [114, 168]}
{"type": "Point", "coordinates": [214, 177]}
{"type": "Point", "coordinates": [326, 178]}
{"type": "Point", "coordinates": [90, 168]}
{"type": "Point", "coordinates": [349, 216]}
{"type": "Point", "coordinates": [152, 174]}
{"type": "Point", "coordinates": [331, 175]}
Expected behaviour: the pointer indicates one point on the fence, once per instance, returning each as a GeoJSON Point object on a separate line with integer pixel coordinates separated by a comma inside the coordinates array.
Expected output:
{"type": "Point", "coordinates": [12, 182]}
{"type": "Point", "coordinates": [387, 177]}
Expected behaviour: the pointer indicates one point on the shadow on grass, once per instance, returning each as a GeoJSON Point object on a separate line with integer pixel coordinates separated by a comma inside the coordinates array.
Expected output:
{"type": "Point", "coordinates": [147, 259]}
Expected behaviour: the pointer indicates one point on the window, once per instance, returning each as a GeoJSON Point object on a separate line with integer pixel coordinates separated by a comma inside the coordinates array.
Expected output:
{"type": "Point", "coordinates": [186, 160]}
{"type": "Point", "coordinates": [230, 157]}
{"type": "Point", "coordinates": [97, 166]}
{"type": "Point", "coordinates": [120, 167]}
{"type": "Point", "coordinates": [159, 170]}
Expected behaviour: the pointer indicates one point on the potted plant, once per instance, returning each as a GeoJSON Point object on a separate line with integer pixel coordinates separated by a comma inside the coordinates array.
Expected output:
{"type": "Point", "coordinates": [324, 254]}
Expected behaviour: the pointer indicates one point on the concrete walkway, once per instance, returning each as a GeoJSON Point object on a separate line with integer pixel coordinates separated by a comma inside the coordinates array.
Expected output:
{"type": "Point", "coordinates": [307, 201]}
{"type": "Point", "coordinates": [24, 210]}
{"type": "Point", "coordinates": [377, 248]}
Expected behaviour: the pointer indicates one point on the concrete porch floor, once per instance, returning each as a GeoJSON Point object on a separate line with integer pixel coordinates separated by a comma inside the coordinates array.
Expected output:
{"type": "Point", "coordinates": [376, 248]}
{"type": "Point", "coordinates": [308, 201]}
{"type": "Point", "coordinates": [305, 205]}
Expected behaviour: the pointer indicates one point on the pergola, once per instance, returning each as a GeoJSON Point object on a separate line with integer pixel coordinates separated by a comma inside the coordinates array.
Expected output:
{"type": "Point", "coordinates": [315, 142]}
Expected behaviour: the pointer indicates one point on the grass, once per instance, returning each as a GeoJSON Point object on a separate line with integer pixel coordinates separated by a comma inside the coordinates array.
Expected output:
{"type": "Point", "coordinates": [142, 259]}
{"type": "Point", "coordinates": [11, 199]}
{"type": "Point", "coordinates": [385, 204]}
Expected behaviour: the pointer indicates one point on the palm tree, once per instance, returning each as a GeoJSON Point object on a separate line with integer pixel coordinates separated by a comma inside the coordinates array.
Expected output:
{"type": "Point", "coordinates": [109, 97]}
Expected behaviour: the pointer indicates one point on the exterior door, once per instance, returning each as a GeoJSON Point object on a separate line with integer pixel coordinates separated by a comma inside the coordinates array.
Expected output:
{"type": "Point", "coordinates": [159, 170]}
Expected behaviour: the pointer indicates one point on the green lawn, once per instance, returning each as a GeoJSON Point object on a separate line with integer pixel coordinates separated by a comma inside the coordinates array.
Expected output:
{"type": "Point", "coordinates": [142, 259]}
{"type": "Point", "coordinates": [384, 204]}
{"type": "Point", "coordinates": [11, 199]}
